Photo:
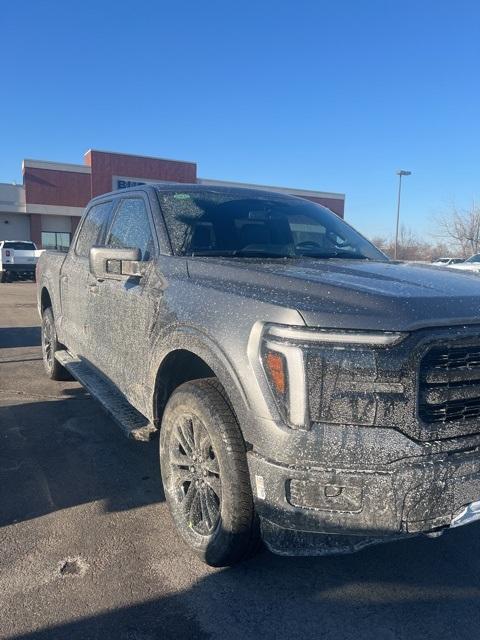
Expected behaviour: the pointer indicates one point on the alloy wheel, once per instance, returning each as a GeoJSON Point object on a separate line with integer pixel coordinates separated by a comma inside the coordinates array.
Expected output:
{"type": "Point", "coordinates": [195, 474]}
{"type": "Point", "coordinates": [48, 342]}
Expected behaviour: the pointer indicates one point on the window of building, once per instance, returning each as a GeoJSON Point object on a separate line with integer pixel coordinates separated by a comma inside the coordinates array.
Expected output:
{"type": "Point", "coordinates": [93, 228]}
{"type": "Point", "coordinates": [58, 240]}
{"type": "Point", "coordinates": [131, 228]}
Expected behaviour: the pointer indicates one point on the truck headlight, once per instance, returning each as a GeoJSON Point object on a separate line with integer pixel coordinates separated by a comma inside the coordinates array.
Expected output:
{"type": "Point", "coordinates": [307, 367]}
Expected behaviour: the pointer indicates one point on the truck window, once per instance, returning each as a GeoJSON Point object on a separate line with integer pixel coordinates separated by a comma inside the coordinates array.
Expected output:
{"type": "Point", "coordinates": [93, 228]}
{"type": "Point", "coordinates": [131, 228]}
{"type": "Point", "coordinates": [19, 246]}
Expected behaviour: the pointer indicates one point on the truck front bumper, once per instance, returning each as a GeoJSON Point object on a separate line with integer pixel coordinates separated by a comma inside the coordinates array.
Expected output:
{"type": "Point", "coordinates": [324, 510]}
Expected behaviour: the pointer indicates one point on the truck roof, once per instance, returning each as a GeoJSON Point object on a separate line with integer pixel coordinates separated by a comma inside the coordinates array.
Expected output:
{"type": "Point", "coordinates": [179, 186]}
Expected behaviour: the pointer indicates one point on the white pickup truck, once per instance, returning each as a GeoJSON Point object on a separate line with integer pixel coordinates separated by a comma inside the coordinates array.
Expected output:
{"type": "Point", "coordinates": [18, 258]}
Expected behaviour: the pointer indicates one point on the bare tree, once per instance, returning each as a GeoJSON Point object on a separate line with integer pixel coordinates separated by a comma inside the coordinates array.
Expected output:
{"type": "Point", "coordinates": [462, 227]}
{"type": "Point", "coordinates": [411, 247]}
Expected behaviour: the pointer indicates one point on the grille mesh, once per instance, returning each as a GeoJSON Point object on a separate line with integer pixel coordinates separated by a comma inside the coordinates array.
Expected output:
{"type": "Point", "coordinates": [450, 384]}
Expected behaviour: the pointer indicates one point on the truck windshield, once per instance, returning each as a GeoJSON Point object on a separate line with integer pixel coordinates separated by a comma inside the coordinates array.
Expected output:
{"type": "Point", "coordinates": [244, 224]}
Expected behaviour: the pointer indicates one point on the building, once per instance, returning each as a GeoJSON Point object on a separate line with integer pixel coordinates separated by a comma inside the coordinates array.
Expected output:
{"type": "Point", "coordinates": [47, 207]}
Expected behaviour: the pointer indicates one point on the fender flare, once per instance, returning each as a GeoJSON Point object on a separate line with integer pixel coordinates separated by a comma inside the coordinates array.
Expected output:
{"type": "Point", "coordinates": [191, 339]}
{"type": "Point", "coordinates": [44, 284]}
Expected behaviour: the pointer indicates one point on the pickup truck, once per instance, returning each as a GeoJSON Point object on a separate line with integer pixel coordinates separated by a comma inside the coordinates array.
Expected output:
{"type": "Point", "coordinates": [18, 258]}
{"type": "Point", "coordinates": [308, 391]}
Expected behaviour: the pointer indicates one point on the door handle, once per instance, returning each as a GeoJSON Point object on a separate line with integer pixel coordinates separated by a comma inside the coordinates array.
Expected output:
{"type": "Point", "coordinates": [93, 288]}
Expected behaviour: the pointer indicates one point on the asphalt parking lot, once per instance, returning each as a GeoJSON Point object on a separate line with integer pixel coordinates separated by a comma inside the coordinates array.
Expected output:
{"type": "Point", "coordinates": [87, 548]}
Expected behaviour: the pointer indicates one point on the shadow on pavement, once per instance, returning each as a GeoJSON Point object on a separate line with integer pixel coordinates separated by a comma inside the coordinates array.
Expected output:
{"type": "Point", "coordinates": [61, 453]}
{"type": "Point", "coordinates": [408, 590]}
{"type": "Point", "coordinates": [19, 337]}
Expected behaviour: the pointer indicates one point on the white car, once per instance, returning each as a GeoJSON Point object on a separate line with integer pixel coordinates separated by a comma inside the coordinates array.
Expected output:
{"type": "Point", "coordinates": [471, 264]}
{"type": "Point", "coordinates": [18, 258]}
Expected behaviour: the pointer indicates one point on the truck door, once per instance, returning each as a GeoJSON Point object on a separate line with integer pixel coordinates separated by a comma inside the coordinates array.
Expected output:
{"type": "Point", "coordinates": [76, 280]}
{"type": "Point", "coordinates": [122, 310]}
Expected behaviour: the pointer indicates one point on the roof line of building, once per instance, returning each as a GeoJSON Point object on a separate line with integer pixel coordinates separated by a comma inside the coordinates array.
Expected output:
{"type": "Point", "coordinates": [134, 155]}
{"type": "Point", "coordinates": [55, 166]}
{"type": "Point", "coordinates": [82, 168]}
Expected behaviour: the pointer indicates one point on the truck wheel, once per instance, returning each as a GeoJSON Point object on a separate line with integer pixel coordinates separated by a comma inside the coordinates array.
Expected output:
{"type": "Point", "coordinates": [3, 276]}
{"type": "Point", "coordinates": [50, 345]}
{"type": "Point", "coordinates": [205, 474]}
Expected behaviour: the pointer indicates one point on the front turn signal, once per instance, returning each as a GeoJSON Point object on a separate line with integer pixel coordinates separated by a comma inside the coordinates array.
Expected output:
{"type": "Point", "coordinates": [275, 366]}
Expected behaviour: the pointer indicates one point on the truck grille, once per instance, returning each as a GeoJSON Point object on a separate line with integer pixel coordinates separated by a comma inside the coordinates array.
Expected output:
{"type": "Point", "coordinates": [450, 384]}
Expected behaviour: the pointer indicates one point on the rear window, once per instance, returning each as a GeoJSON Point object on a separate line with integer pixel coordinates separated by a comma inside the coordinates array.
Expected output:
{"type": "Point", "coordinates": [19, 246]}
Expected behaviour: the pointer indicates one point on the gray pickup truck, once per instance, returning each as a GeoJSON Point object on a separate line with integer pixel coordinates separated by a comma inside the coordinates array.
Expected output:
{"type": "Point", "coordinates": [308, 391]}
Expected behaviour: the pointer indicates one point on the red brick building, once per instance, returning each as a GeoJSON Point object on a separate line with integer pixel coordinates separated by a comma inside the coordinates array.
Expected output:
{"type": "Point", "coordinates": [47, 207]}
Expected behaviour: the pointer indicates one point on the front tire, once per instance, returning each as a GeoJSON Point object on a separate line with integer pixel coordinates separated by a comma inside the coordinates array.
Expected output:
{"type": "Point", "coordinates": [50, 345]}
{"type": "Point", "coordinates": [205, 474]}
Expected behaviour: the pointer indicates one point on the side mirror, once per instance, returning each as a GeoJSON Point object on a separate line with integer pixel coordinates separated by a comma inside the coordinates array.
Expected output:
{"type": "Point", "coordinates": [112, 263]}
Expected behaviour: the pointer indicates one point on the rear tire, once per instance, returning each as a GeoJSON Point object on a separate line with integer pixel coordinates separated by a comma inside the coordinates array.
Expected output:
{"type": "Point", "coordinates": [205, 474]}
{"type": "Point", "coordinates": [50, 345]}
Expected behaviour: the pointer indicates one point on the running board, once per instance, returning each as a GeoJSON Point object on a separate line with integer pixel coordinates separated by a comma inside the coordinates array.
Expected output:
{"type": "Point", "coordinates": [134, 425]}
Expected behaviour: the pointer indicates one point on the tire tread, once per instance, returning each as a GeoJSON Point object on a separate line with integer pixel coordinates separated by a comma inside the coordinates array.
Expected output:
{"type": "Point", "coordinates": [242, 519]}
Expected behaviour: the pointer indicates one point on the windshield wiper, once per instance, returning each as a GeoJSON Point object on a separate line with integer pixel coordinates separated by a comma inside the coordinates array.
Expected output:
{"type": "Point", "coordinates": [258, 253]}
{"type": "Point", "coordinates": [221, 253]}
{"type": "Point", "coordinates": [348, 255]}
{"type": "Point", "coordinates": [241, 253]}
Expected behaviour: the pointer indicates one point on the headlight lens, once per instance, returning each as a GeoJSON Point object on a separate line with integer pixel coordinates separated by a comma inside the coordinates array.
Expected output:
{"type": "Point", "coordinates": [342, 383]}
{"type": "Point", "coordinates": [327, 336]}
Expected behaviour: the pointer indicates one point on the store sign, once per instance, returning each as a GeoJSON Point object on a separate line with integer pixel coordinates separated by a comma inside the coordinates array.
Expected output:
{"type": "Point", "coordinates": [124, 182]}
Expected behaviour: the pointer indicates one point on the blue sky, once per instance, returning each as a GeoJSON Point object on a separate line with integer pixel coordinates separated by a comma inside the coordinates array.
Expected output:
{"type": "Point", "coordinates": [330, 95]}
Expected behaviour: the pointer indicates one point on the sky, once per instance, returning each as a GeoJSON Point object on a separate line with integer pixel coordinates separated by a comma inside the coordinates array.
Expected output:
{"type": "Point", "coordinates": [327, 95]}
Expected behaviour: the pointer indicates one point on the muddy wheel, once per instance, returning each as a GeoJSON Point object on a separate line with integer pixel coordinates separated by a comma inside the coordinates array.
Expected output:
{"type": "Point", "coordinates": [50, 345]}
{"type": "Point", "coordinates": [205, 475]}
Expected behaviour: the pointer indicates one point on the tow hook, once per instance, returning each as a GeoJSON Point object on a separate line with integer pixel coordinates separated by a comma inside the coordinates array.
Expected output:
{"type": "Point", "coordinates": [468, 514]}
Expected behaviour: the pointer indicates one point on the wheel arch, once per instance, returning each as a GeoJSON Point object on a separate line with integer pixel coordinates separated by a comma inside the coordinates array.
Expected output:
{"type": "Point", "coordinates": [45, 299]}
{"type": "Point", "coordinates": [191, 355]}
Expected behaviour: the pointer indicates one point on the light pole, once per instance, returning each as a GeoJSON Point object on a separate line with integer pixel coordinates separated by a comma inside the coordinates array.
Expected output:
{"type": "Point", "coordinates": [400, 173]}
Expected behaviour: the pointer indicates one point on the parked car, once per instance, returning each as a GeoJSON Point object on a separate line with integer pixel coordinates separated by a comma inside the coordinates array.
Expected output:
{"type": "Point", "coordinates": [18, 258]}
{"type": "Point", "coordinates": [471, 264]}
{"type": "Point", "coordinates": [447, 262]}
{"type": "Point", "coordinates": [306, 389]}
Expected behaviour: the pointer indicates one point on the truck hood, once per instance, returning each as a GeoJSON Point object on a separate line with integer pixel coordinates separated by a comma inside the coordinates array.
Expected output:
{"type": "Point", "coordinates": [353, 294]}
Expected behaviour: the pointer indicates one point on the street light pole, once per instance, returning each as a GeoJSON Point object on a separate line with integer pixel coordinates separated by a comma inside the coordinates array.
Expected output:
{"type": "Point", "coordinates": [400, 173]}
